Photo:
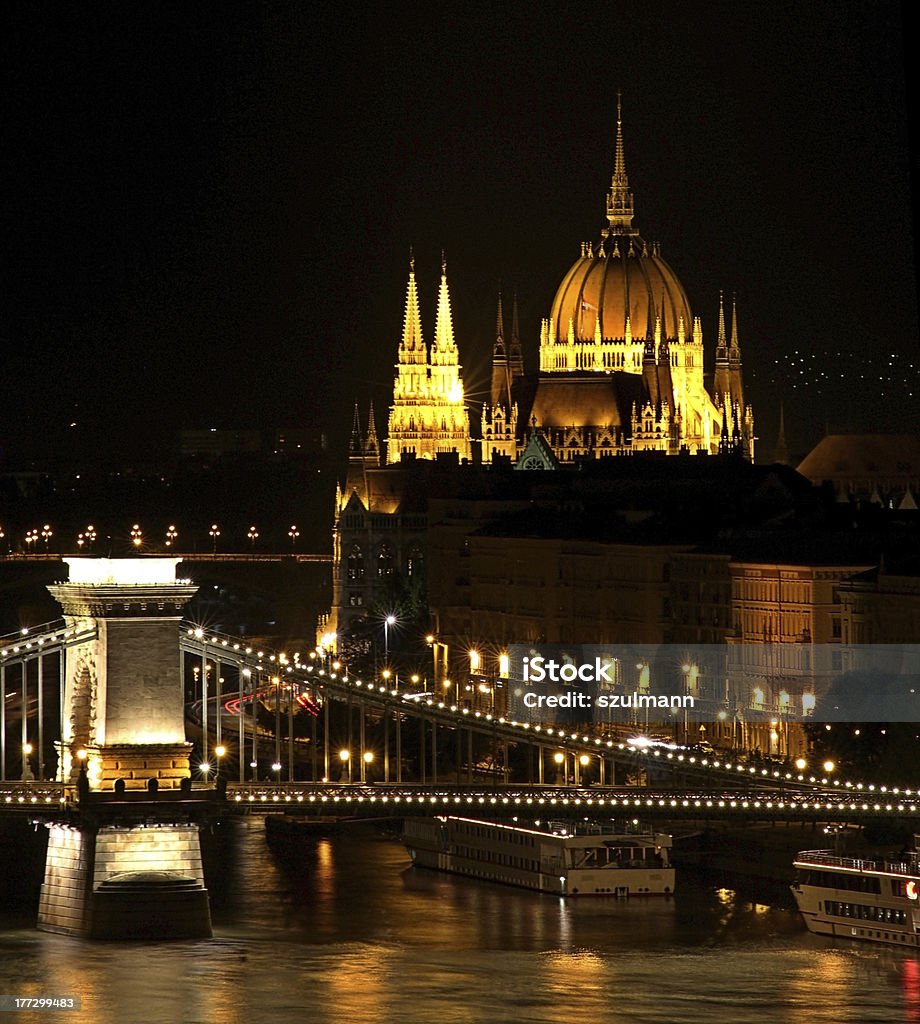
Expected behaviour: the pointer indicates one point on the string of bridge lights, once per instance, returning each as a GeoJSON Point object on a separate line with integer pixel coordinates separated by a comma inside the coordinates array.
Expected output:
{"type": "Point", "coordinates": [577, 741]}
{"type": "Point", "coordinates": [17, 648]}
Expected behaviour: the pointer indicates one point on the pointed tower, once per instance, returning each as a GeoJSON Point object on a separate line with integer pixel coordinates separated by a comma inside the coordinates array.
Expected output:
{"type": "Point", "coordinates": [371, 444]}
{"type": "Point", "coordinates": [736, 386]}
{"type": "Point", "coordinates": [515, 351]}
{"type": "Point", "coordinates": [355, 480]}
{"type": "Point", "coordinates": [722, 383]}
{"type": "Point", "coordinates": [501, 379]}
{"type": "Point", "coordinates": [620, 198]}
{"type": "Point", "coordinates": [428, 414]}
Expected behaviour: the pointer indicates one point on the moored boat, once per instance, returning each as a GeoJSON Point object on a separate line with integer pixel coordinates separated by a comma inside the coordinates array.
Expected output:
{"type": "Point", "coordinates": [867, 898]}
{"type": "Point", "coordinates": [549, 856]}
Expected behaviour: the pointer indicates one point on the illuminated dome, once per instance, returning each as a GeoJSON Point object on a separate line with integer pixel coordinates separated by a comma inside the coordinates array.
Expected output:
{"type": "Point", "coordinates": [618, 277]}
{"type": "Point", "coordinates": [621, 276]}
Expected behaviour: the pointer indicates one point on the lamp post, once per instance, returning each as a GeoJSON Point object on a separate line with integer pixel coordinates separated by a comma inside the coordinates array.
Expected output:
{"type": "Point", "coordinates": [90, 534]}
{"type": "Point", "coordinates": [293, 533]}
{"type": "Point", "coordinates": [560, 760]}
{"type": "Point", "coordinates": [253, 536]}
{"type": "Point", "coordinates": [171, 534]}
{"type": "Point", "coordinates": [366, 761]}
{"type": "Point", "coordinates": [27, 775]}
{"type": "Point", "coordinates": [219, 751]}
{"type": "Point", "coordinates": [31, 540]}
{"type": "Point", "coordinates": [214, 533]}
{"type": "Point", "coordinates": [137, 535]}
{"type": "Point", "coordinates": [345, 758]}
{"type": "Point", "coordinates": [390, 620]}
{"type": "Point", "coordinates": [47, 534]}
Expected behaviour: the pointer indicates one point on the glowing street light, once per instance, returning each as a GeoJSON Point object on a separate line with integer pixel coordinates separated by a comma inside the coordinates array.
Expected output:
{"type": "Point", "coordinates": [137, 535]}
{"type": "Point", "coordinates": [47, 534]}
{"type": "Point", "coordinates": [253, 535]}
{"type": "Point", "coordinates": [828, 766]}
{"type": "Point", "coordinates": [293, 533]}
{"type": "Point", "coordinates": [474, 661]}
{"type": "Point", "coordinates": [345, 758]}
{"type": "Point", "coordinates": [171, 534]}
{"type": "Point", "coordinates": [31, 540]}
{"type": "Point", "coordinates": [214, 533]}
{"type": "Point", "coordinates": [219, 751]}
{"type": "Point", "coordinates": [27, 775]}
{"type": "Point", "coordinates": [390, 620]}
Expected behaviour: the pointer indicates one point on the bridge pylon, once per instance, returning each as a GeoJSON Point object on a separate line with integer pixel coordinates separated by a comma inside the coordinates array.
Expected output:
{"type": "Point", "coordinates": [122, 708]}
{"type": "Point", "coordinates": [124, 868]}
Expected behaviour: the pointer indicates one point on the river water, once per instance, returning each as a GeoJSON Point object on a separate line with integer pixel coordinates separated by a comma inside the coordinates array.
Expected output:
{"type": "Point", "coordinates": [345, 931]}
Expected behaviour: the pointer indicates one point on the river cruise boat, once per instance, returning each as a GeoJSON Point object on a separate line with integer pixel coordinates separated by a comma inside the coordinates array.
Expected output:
{"type": "Point", "coordinates": [549, 856]}
{"type": "Point", "coordinates": [874, 900]}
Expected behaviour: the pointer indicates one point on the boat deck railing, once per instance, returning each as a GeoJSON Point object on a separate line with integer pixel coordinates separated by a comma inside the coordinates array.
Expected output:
{"type": "Point", "coordinates": [830, 859]}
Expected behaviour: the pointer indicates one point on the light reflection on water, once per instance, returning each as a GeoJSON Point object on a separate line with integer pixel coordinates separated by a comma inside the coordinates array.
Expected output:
{"type": "Point", "coordinates": [346, 932]}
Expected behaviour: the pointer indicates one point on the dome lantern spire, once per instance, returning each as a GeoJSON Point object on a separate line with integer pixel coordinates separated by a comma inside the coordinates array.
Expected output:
{"type": "Point", "coordinates": [620, 197]}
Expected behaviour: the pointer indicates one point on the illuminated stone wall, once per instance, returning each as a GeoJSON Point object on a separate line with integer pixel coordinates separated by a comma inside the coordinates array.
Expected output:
{"type": "Point", "coordinates": [63, 902]}
{"type": "Point", "coordinates": [161, 848]}
{"type": "Point", "coordinates": [143, 698]}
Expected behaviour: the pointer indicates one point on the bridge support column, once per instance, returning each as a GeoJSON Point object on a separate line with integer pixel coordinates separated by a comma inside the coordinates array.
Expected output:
{"type": "Point", "coordinates": [116, 881]}
{"type": "Point", "coordinates": [130, 868]}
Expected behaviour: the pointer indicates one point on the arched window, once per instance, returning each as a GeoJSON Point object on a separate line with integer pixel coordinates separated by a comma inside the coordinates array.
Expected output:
{"type": "Point", "coordinates": [384, 560]}
{"type": "Point", "coordinates": [414, 561]}
{"type": "Point", "coordinates": [355, 570]}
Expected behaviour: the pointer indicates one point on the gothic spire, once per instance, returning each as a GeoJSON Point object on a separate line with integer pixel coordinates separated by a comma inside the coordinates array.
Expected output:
{"type": "Point", "coordinates": [499, 328]}
{"type": "Point", "coordinates": [412, 323]}
{"type": "Point", "coordinates": [735, 344]}
{"type": "Point", "coordinates": [515, 351]}
{"type": "Point", "coordinates": [372, 445]}
{"type": "Point", "coordinates": [444, 329]}
{"type": "Point", "coordinates": [720, 343]}
{"type": "Point", "coordinates": [355, 445]}
{"type": "Point", "coordinates": [620, 198]}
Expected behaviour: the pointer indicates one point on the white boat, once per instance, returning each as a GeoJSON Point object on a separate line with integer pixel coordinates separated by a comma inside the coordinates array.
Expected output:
{"type": "Point", "coordinates": [551, 856]}
{"type": "Point", "coordinates": [874, 900]}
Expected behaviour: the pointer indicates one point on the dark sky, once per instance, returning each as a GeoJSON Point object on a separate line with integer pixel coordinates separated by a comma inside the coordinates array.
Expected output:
{"type": "Point", "coordinates": [208, 207]}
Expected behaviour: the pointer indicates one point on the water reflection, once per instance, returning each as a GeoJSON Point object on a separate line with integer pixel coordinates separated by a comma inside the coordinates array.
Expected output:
{"type": "Point", "coordinates": [341, 929]}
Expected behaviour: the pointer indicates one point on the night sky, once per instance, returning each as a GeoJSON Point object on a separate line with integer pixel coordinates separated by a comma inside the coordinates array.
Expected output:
{"type": "Point", "coordinates": [208, 207]}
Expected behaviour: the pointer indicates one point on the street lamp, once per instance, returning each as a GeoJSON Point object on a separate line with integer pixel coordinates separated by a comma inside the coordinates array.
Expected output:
{"type": "Point", "coordinates": [90, 534]}
{"type": "Point", "coordinates": [214, 533]}
{"type": "Point", "coordinates": [219, 751]}
{"type": "Point", "coordinates": [366, 761]}
{"type": "Point", "coordinates": [345, 758]}
{"type": "Point", "coordinates": [137, 535]}
{"type": "Point", "coordinates": [171, 534]}
{"type": "Point", "coordinates": [560, 760]}
{"type": "Point", "coordinates": [293, 533]}
{"type": "Point", "coordinates": [390, 620]}
{"type": "Point", "coordinates": [31, 540]}
{"type": "Point", "coordinates": [47, 533]}
{"type": "Point", "coordinates": [27, 775]}
{"type": "Point", "coordinates": [253, 536]}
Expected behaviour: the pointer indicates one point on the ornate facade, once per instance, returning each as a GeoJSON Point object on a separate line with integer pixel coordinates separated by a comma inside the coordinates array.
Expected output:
{"type": "Point", "coordinates": [428, 414]}
{"type": "Point", "coordinates": [622, 358]}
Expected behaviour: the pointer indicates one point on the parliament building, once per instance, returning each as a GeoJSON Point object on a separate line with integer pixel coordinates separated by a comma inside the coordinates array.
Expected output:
{"type": "Point", "coordinates": [621, 373]}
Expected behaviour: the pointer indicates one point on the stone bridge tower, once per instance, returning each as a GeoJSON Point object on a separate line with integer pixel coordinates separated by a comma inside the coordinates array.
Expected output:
{"type": "Point", "coordinates": [123, 707]}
